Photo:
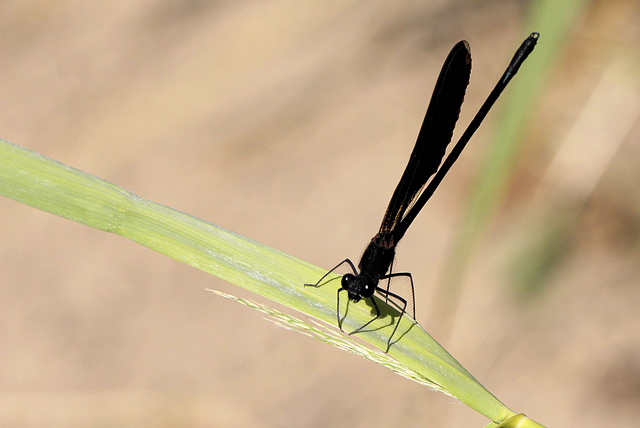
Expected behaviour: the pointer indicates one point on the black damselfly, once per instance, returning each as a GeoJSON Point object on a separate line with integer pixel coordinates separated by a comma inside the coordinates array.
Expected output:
{"type": "Point", "coordinates": [411, 194]}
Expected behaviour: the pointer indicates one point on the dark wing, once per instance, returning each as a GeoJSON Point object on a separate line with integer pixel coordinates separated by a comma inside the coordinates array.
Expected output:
{"type": "Point", "coordinates": [435, 134]}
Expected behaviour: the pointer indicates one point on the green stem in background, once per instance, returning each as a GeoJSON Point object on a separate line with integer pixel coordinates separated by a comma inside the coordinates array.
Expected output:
{"type": "Point", "coordinates": [552, 19]}
{"type": "Point", "coordinates": [53, 187]}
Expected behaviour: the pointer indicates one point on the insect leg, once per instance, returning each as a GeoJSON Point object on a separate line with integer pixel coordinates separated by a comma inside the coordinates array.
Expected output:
{"type": "Point", "coordinates": [375, 306]}
{"type": "Point", "coordinates": [404, 307]}
{"type": "Point", "coordinates": [317, 284]}
{"type": "Point", "coordinates": [387, 293]}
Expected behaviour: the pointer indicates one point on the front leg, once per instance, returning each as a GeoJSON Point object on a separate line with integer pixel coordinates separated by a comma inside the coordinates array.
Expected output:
{"type": "Point", "coordinates": [375, 306]}
{"type": "Point", "coordinates": [355, 272]}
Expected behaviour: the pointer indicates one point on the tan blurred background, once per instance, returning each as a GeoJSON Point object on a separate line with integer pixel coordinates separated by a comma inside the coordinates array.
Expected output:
{"type": "Point", "coordinates": [290, 122]}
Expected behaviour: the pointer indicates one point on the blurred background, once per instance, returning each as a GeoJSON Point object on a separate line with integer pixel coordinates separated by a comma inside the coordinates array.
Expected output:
{"type": "Point", "coordinates": [290, 122]}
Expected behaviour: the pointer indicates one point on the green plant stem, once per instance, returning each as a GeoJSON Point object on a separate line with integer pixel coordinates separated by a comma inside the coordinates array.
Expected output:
{"type": "Point", "coordinates": [553, 20]}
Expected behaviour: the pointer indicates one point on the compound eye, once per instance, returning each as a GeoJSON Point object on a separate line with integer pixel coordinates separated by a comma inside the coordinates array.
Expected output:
{"type": "Point", "coordinates": [347, 279]}
{"type": "Point", "coordinates": [368, 289]}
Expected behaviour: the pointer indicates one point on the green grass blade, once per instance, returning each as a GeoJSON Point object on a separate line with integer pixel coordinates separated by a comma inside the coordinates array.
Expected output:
{"type": "Point", "coordinates": [516, 421]}
{"type": "Point", "coordinates": [48, 185]}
